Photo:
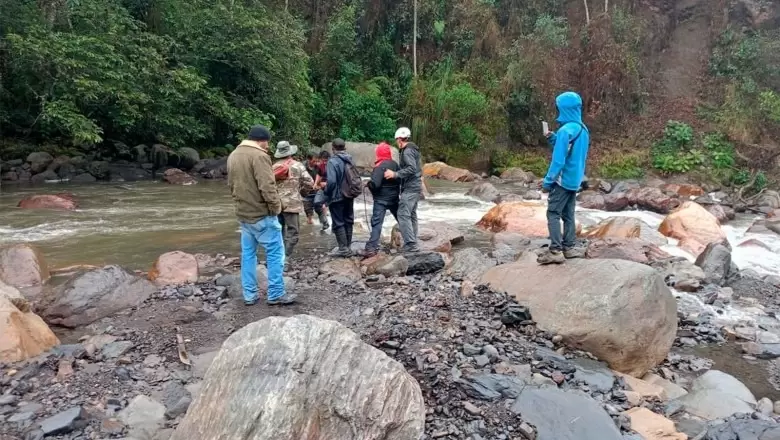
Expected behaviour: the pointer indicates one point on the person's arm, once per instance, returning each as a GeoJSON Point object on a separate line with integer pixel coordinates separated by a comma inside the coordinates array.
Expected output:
{"type": "Point", "coordinates": [376, 179]}
{"type": "Point", "coordinates": [332, 177]}
{"type": "Point", "coordinates": [264, 175]}
{"type": "Point", "coordinates": [552, 138]}
{"type": "Point", "coordinates": [305, 179]}
{"type": "Point", "coordinates": [410, 168]}
{"type": "Point", "coordinates": [560, 150]}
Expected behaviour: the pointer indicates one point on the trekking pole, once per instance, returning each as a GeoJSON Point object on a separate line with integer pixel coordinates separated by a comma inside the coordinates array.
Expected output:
{"type": "Point", "coordinates": [365, 211]}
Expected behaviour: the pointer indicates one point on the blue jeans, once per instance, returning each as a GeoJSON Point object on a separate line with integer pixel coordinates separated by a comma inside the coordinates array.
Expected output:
{"type": "Point", "coordinates": [560, 206]}
{"type": "Point", "coordinates": [267, 232]}
{"type": "Point", "coordinates": [377, 220]}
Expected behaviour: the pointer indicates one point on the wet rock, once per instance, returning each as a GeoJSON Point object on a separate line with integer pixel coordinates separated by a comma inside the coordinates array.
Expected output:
{"type": "Point", "coordinates": [491, 386]}
{"type": "Point", "coordinates": [517, 175]}
{"type": "Point", "coordinates": [624, 186]}
{"type": "Point", "coordinates": [680, 273]}
{"type": "Point", "coordinates": [626, 227]}
{"type": "Point", "coordinates": [188, 158]}
{"type": "Point", "coordinates": [100, 169]}
{"type": "Point", "coordinates": [144, 416]}
{"type": "Point", "coordinates": [23, 265]}
{"type": "Point", "coordinates": [591, 200]}
{"type": "Point", "coordinates": [652, 199]}
{"type": "Point", "coordinates": [83, 178]}
{"type": "Point", "coordinates": [652, 426]}
{"type": "Point", "coordinates": [387, 265]}
{"type": "Point", "coordinates": [685, 190]}
{"type": "Point", "coordinates": [744, 428]}
{"type": "Point", "coordinates": [507, 246]}
{"type": "Point", "coordinates": [46, 176]}
{"type": "Point", "coordinates": [343, 267]}
{"type": "Point", "coordinates": [614, 202]}
{"type": "Point", "coordinates": [484, 191]}
{"type": "Point", "coordinates": [64, 422]}
{"type": "Point", "coordinates": [694, 226]}
{"type": "Point", "coordinates": [433, 237]}
{"type": "Point", "coordinates": [717, 395]}
{"type": "Point", "coordinates": [562, 415]}
{"type": "Point", "coordinates": [440, 170]}
{"type": "Point", "coordinates": [769, 199]}
{"type": "Point", "coordinates": [526, 218]}
{"type": "Point", "coordinates": [722, 213]}
{"type": "Point", "coordinates": [92, 295]}
{"type": "Point", "coordinates": [174, 268]}
{"type": "Point", "coordinates": [470, 264]}
{"type": "Point", "coordinates": [636, 250]}
{"type": "Point", "coordinates": [618, 310]}
{"type": "Point", "coordinates": [768, 226]}
{"type": "Point", "coordinates": [22, 333]}
{"type": "Point", "coordinates": [62, 201]}
{"type": "Point", "coordinates": [288, 384]}
{"type": "Point", "coordinates": [39, 161]}
{"type": "Point", "coordinates": [422, 263]}
{"type": "Point", "coordinates": [176, 176]}
{"type": "Point", "coordinates": [715, 261]}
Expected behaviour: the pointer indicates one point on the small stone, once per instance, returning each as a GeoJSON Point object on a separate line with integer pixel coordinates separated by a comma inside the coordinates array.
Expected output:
{"type": "Point", "coordinates": [633, 398]}
{"type": "Point", "coordinates": [21, 417]}
{"type": "Point", "coordinates": [557, 339]}
{"type": "Point", "coordinates": [116, 349]}
{"type": "Point", "coordinates": [64, 422]}
{"type": "Point", "coordinates": [111, 427]}
{"type": "Point", "coordinates": [64, 369]}
{"type": "Point", "coordinates": [527, 431]}
{"type": "Point", "coordinates": [558, 377]}
{"type": "Point", "coordinates": [481, 360]}
{"type": "Point", "coordinates": [470, 350]}
{"type": "Point", "coordinates": [491, 352]}
{"type": "Point", "coordinates": [471, 408]}
{"type": "Point", "coordinates": [777, 407]}
{"type": "Point", "coordinates": [34, 435]}
{"type": "Point", "coordinates": [152, 360]}
{"type": "Point", "coordinates": [8, 399]}
{"type": "Point", "coordinates": [765, 406]}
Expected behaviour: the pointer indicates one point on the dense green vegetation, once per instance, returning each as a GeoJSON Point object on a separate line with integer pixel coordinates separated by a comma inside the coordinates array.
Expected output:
{"type": "Point", "coordinates": [82, 74]}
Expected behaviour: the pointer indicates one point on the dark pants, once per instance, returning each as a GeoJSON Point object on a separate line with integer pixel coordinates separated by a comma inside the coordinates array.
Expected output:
{"type": "Point", "coordinates": [342, 213]}
{"type": "Point", "coordinates": [407, 217]}
{"type": "Point", "coordinates": [290, 230]}
{"type": "Point", "coordinates": [310, 207]}
{"type": "Point", "coordinates": [560, 206]}
{"type": "Point", "coordinates": [377, 220]}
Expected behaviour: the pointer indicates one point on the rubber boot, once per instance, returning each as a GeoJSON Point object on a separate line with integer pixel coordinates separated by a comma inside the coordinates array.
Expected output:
{"type": "Point", "coordinates": [324, 221]}
{"type": "Point", "coordinates": [341, 238]}
{"type": "Point", "coordinates": [348, 228]}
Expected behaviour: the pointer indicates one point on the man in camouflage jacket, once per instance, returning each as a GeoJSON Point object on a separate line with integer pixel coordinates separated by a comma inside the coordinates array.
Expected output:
{"type": "Point", "coordinates": [291, 176]}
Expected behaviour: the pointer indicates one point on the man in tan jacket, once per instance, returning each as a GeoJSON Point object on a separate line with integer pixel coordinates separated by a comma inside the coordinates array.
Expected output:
{"type": "Point", "coordinates": [291, 176]}
{"type": "Point", "coordinates": [257, 203]}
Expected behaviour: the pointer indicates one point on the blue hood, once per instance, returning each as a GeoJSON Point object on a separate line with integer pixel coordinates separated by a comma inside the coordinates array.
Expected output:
{"type": "Point", "coordinates": [569, 108]}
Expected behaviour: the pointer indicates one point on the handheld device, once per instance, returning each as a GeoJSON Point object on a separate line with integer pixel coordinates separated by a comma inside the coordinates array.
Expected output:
{"type": "Point", "coordinates": [545, 128]}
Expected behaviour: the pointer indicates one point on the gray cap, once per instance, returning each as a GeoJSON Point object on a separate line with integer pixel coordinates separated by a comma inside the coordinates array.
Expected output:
{"type": "Point", "coordinates": [284, 149]}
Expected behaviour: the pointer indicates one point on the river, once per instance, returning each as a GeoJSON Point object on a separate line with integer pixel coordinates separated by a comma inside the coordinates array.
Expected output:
{"type": "Point", "coordinates": [130, 224]}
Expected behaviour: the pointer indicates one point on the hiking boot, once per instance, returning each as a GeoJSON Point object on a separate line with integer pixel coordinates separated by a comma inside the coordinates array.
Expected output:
{"type": "Point", "coordinates": [369, 253]}
{"type": "Point", "coordinates": [250, 302]}
{"type": "Point", "coordinates": [411, 249]}
{"type": "Point", "coordinates": [284, 300]}
{"type": "Point", "coordinates": [551, 257]}
{"type": "Point", "coordinates": [575, 252]}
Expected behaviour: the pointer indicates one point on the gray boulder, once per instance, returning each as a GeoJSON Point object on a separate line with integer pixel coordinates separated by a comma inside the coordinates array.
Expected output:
{"type": "Point", "coordinates": [422, 263]}
{"type": "Point", "coordinates": [144, 417]}
{"type": "Point", "coordinates": [717, 395]}
{"type": "Point", "coordinates": [39, 161]}
{"type": "Point", "coordinates": [470, 264]}
{"type": "Point", "coordinates": [484, 191]}
{"type": "Point", "coordinates": [92, 295]}
{"type": "Point", "coordinates": [303, 377]}
{"type": "Point", "coordinates": [100, 169]}
{"type": "Point", "coordinates": [744, 429]}
{"type": "Point", "coordinates": [140, 154]}
{"type": "Point", "coordinates": [562, 415]}
{"type": "Point", "coordinates": [715, 261]}
{"type": "Point", "coordinates": [188, 158]}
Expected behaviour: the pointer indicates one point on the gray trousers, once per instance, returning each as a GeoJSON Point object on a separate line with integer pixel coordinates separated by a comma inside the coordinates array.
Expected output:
{"type": "Point", "coordinates": [290, 230]}
{"type": "Point", "coordinates": [407, 217]}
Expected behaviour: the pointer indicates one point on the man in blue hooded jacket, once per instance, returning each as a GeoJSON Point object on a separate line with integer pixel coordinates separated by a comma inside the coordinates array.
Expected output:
{"type": "Point", "coordinates": [563, 179]}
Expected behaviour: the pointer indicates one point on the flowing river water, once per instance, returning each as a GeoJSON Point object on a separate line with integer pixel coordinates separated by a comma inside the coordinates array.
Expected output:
{"type": "Point", "coordinates": [130, 224]}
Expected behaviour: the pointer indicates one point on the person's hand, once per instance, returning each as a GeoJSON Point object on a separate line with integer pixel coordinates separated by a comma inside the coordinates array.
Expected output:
{"type": "Point", "coordinates": [389, 174]}
{"type": "Point", "coordinates": [323, 185]}
{"type": "Point", "coordinates": [544, 189]}
{"type": "Point", "coordinates": [548, 134]}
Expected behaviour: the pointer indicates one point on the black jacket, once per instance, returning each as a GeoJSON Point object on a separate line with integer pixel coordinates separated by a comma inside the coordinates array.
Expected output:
{"type": "Point", "coordinates": [382, 189]}
{"type": "Point", "coordinates": [410, 172]}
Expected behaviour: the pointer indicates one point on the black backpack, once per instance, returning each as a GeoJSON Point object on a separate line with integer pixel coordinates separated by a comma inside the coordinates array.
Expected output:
{"type": "Point", "coordinates": [351, 184]}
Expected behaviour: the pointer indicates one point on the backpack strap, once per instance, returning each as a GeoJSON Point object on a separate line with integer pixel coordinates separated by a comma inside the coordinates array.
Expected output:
{"type": "Point", "coordinates": [574, 139]}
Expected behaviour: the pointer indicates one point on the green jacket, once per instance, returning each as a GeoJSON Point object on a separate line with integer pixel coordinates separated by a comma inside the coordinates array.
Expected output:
{"type": "Point", "coordinates": [252, 183]}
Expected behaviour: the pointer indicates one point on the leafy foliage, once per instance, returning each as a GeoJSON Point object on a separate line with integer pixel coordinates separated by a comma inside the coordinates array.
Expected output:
{"type": "Point", "coordinates": [624, 166]}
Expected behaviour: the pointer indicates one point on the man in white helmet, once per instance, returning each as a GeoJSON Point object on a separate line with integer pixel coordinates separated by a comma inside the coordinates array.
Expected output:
{"type": "Point", "coordinates": [410, 175]}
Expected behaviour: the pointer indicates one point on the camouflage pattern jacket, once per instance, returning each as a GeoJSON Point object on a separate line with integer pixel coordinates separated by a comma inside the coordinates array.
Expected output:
{"type": "Point", "coordinates": [290, 189]}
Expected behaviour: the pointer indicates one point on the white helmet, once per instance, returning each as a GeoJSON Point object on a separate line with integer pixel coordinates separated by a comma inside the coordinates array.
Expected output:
{"type": "Point", "coordinates": [403, 133]}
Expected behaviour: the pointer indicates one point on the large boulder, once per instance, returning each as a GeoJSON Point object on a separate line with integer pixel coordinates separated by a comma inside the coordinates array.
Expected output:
{"type": "Point", "coordinates": [175, 176]}
{"type": "Point", "coordinates": [421, 263]}
{"type": "Point", "coordinates": [526, 218]}
{"type": "Point", "coordinates": [631, 249]}
{"type": "Point", "coordinates": [440, 170]}
{"type": "Point", "coordinates": [23, 334]}
{"type": "Point", "coordinates": [614, 202]}
{"type": "Point", "coordinates": [685, 190]}
{"type": "Point", "coordinates": [722, 213]}
{"type": "Point", "coordinates": [517, 175]}
{"type": "Point", "coordinates": [92, 295]}
{"type": "Point", "coordinates": [39, 161]}
{"type": "Point", "coordinates": [742, 428]}
{"type": "Point", "coordinates": [174, 268]}
{"type": "Point", "coordinates": [769, 226]}
{"type": "Point", "coordinates": [303, 378]}
{"type": "Point", "coordinates": [693, 226]}
{"type": "Point", "coordinates": [717, 395]}
{"type": "Point", "coordinates": [214, 168]}
{"type": "Point", "coordinates": [626, 227]}
{"type": "Point", "coordinates": [484, 191]}
{"type": "Point", "coordinates": [363, 154]}
{"type": "Point", "coordinates": [470, 264]}
{"type": "Point", "coordinates": [770, 200]}
{"type": "Point", "coordinates": [49, 201]}
{"type": "Point", "coordinates": [591, 200]}
{"type": "Point", "coordinates": [652, 199]}
{"type": "Point", "coordinates": [22, 265]}
{"type": "Point", "coordinates": [188, 158]}
{"type": "Point", "coordinates": [433, 236]}
{"type": "Point", "coordinates": [715, 261]}
{"type": "Point", "coordinates": [620, 311]}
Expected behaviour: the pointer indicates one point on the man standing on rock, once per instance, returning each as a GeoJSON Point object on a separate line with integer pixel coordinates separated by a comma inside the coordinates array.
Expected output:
{"type": "Point", "coordinates": [342, 208]}
{"type": "Point", "coordinates": [291, 176]}
{"type": "Point", "coordinates": [257, 204]}
{"type": "Point", "coordinates": [410, 176]}
{"type": "Point", "coordinates": [563, 179]}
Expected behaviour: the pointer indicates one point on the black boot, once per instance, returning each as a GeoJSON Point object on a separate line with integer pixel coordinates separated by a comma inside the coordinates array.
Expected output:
{"type": "Point", "coordinates": [341, 238]}
{"type": "Point", "coordinates": [348, 228]}
{"type": "Point", "coordinates": [324, 221]}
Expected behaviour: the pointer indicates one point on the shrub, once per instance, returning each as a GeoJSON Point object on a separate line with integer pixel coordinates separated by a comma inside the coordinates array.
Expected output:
{"type": "Point", "coordinates": [627, 166]}
{"type": "Point", "coordinates": [533, 161]}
